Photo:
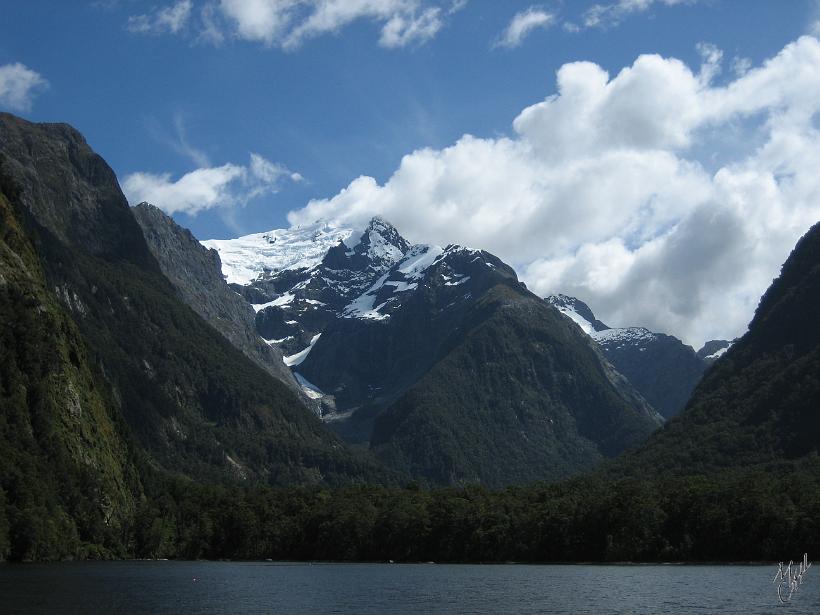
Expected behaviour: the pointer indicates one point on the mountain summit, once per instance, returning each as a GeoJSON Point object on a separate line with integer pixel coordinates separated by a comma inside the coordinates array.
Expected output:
{"type": "Point", "coordinates": [660, 366]}
{"type": "Point", "coordinates": [439, 359]}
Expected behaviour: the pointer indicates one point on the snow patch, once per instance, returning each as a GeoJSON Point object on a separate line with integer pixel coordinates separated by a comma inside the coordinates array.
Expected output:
{"type": "Point", "coordinates": [362, 306]}
{"type": "Point", "coordinates": [245, 258]}
{"type": "Point", "coordinates": [382, 250]}
{"type": "Point", "coordinates": [579, 320]}
{"type": "Point", "coordinates": [283, 300]}
{"type": "Point", "coordinates": [298, 358]}
{"type": "Point", "coordinates": [419, 258]}
{"type": "Point", "coordinates": [400, 287]}
{"type": "Point", "coordinates": [279, 341]}
{"type": "Point", "coordinates": [717, 354]}
{"type": "Point", "coordinates": [622, 336]}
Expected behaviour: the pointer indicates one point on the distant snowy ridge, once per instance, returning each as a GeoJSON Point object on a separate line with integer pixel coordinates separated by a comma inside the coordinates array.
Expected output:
{"type": "Point", "coordinates": [580, 313]}
{"type": "Point", "coordinates": [244, 259]}
{"type": "Point", "coordinates": [623, 335]}
{"type": "Point", "coordinates": [661, 367]}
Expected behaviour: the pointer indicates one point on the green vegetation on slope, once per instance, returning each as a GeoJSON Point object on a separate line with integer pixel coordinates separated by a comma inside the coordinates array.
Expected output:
{"type": "Point", "coordinates": [67, 481]}
{"type": "Point", "coordinates": [195, 403]}
{"type": "Point", "coordinates": [518, 395]}
{"type": "Point", "coordinates": [104, 370]}
{"type": "Point", "coordinates": [759, 403]}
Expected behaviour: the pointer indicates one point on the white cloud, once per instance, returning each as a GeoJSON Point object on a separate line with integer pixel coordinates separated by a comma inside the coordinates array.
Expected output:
{"type": "Point", "coordinates": [741, 66]}
{"type": "Point", "coordinates": [171, 19]}
{"type": "Point", "coordinates": [205, 188]}
{"type": "Point", "coordinates": [608, 190]}
{"type": "Point", "coordinates": [402, 30]}
{"type": "Point", "coordinates": [290, 23]}
{"type": "Point", "coordinates": [18, 86]}
{"type": "Point", "coordinates": [260, 20]}
{"type": "Point", "coordinates": [522, 24]}
{"type": "Point", "coordinates": [610, 15]}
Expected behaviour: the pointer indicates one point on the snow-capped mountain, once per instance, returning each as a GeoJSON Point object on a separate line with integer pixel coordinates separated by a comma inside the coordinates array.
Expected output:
{"type": "Point", "coordinates": [372, 324]}
{"type": "Point", "coordinates": [306, 279]}
{"type": "Point", "coordinates": [303, 281]}
{"type": "Point", "coordinates": [660, 366]}
{"type": "Point", "coordinates": [295, 297]}
{"type": "Point", "coordinates": [245, 259]}
{"type": "Point", "coordinates": [577, 311]}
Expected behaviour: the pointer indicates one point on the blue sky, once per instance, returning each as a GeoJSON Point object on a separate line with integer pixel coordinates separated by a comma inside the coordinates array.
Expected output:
{"type": "Point", "coordinates": [159, 97]}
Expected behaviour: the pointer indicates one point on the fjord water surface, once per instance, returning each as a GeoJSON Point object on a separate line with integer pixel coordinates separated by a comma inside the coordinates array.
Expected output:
{"type": "Point", "coordinates": [229, 587]}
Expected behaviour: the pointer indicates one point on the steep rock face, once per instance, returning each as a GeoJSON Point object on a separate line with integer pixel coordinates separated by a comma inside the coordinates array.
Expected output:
{"type": "Point", "coordinates": [661, 367]}
{"type": "Point", "coordinates": [379, 325]}
{"type": "Point", "coordinates": [196, 272]}
{"type": "Point", "coordinates": [69, 190]}
{"type": "Point", "coordinates": [67, 473]}
{"type": "Point", "coordinates": [196, 404]}
{"type": "Point", "coordinates": [758, 404]}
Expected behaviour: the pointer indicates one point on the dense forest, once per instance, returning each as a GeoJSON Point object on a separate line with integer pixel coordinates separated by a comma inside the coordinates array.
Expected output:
{"type": "Point", "coordinates": [766, 514]}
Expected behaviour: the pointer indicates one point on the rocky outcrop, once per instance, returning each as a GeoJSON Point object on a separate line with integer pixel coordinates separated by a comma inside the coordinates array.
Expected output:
{"type": "Point", "coordinates": [196, 272]}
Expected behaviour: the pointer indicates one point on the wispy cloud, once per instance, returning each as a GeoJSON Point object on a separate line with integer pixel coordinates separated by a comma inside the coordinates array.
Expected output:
{"type": "Point", "coordinates": [170, 19]}
{"type": "Point", "coordinates": [601, 16]}
{"type": "Point", "coordinates": [522, 24]}
{"type": "Point", "coordinates": [288, 24]}
{"type": "Point", "coordinates": [182, 145]}
{"type": "Point", "coordinates": [19, 85]}
{"type": "Point", "coordinates": [176, 139]}
{"type": "Point", "coordinates": [225, 186]}
{"type": "Point", "coordinates": [610, 15]}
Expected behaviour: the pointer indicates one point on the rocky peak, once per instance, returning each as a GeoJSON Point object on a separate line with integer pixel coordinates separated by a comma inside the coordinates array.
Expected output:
{"type": "Point", "coordinates": [376, 249]}
{"type": "Point", "coordinates": [69, 190]}
{"type": "Point", "coordinates": [578, 311]}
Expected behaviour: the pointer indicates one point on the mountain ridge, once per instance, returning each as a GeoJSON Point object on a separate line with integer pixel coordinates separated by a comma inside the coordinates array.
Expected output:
{"type": "Point", "coordinates": [197, 274]}
{"type": "Point", "coordinates": [660, 366]}
{"type": "Point", "coordinates": [372, 319]}
{"type": "Point", "coordinates": [190, 399]}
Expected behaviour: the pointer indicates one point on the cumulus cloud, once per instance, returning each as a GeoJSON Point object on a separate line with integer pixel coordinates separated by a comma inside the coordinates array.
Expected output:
{"type": "Point", "coordinates": [522, 24]}
{"type": "Point", "coordinates": [170, 19]}
{"type": "Point", "coordinates": [290, 23]}
{"type": "Point", "coordinates": [205, 188]}
{"type": "Point", "coordinates": [19, 85]}
{"type": "Point", "coordinates": [608, 189]}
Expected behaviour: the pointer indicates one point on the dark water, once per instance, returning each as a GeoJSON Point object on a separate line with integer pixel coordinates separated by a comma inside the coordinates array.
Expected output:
{"type": "Point", "coordinates": [217, 587]}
